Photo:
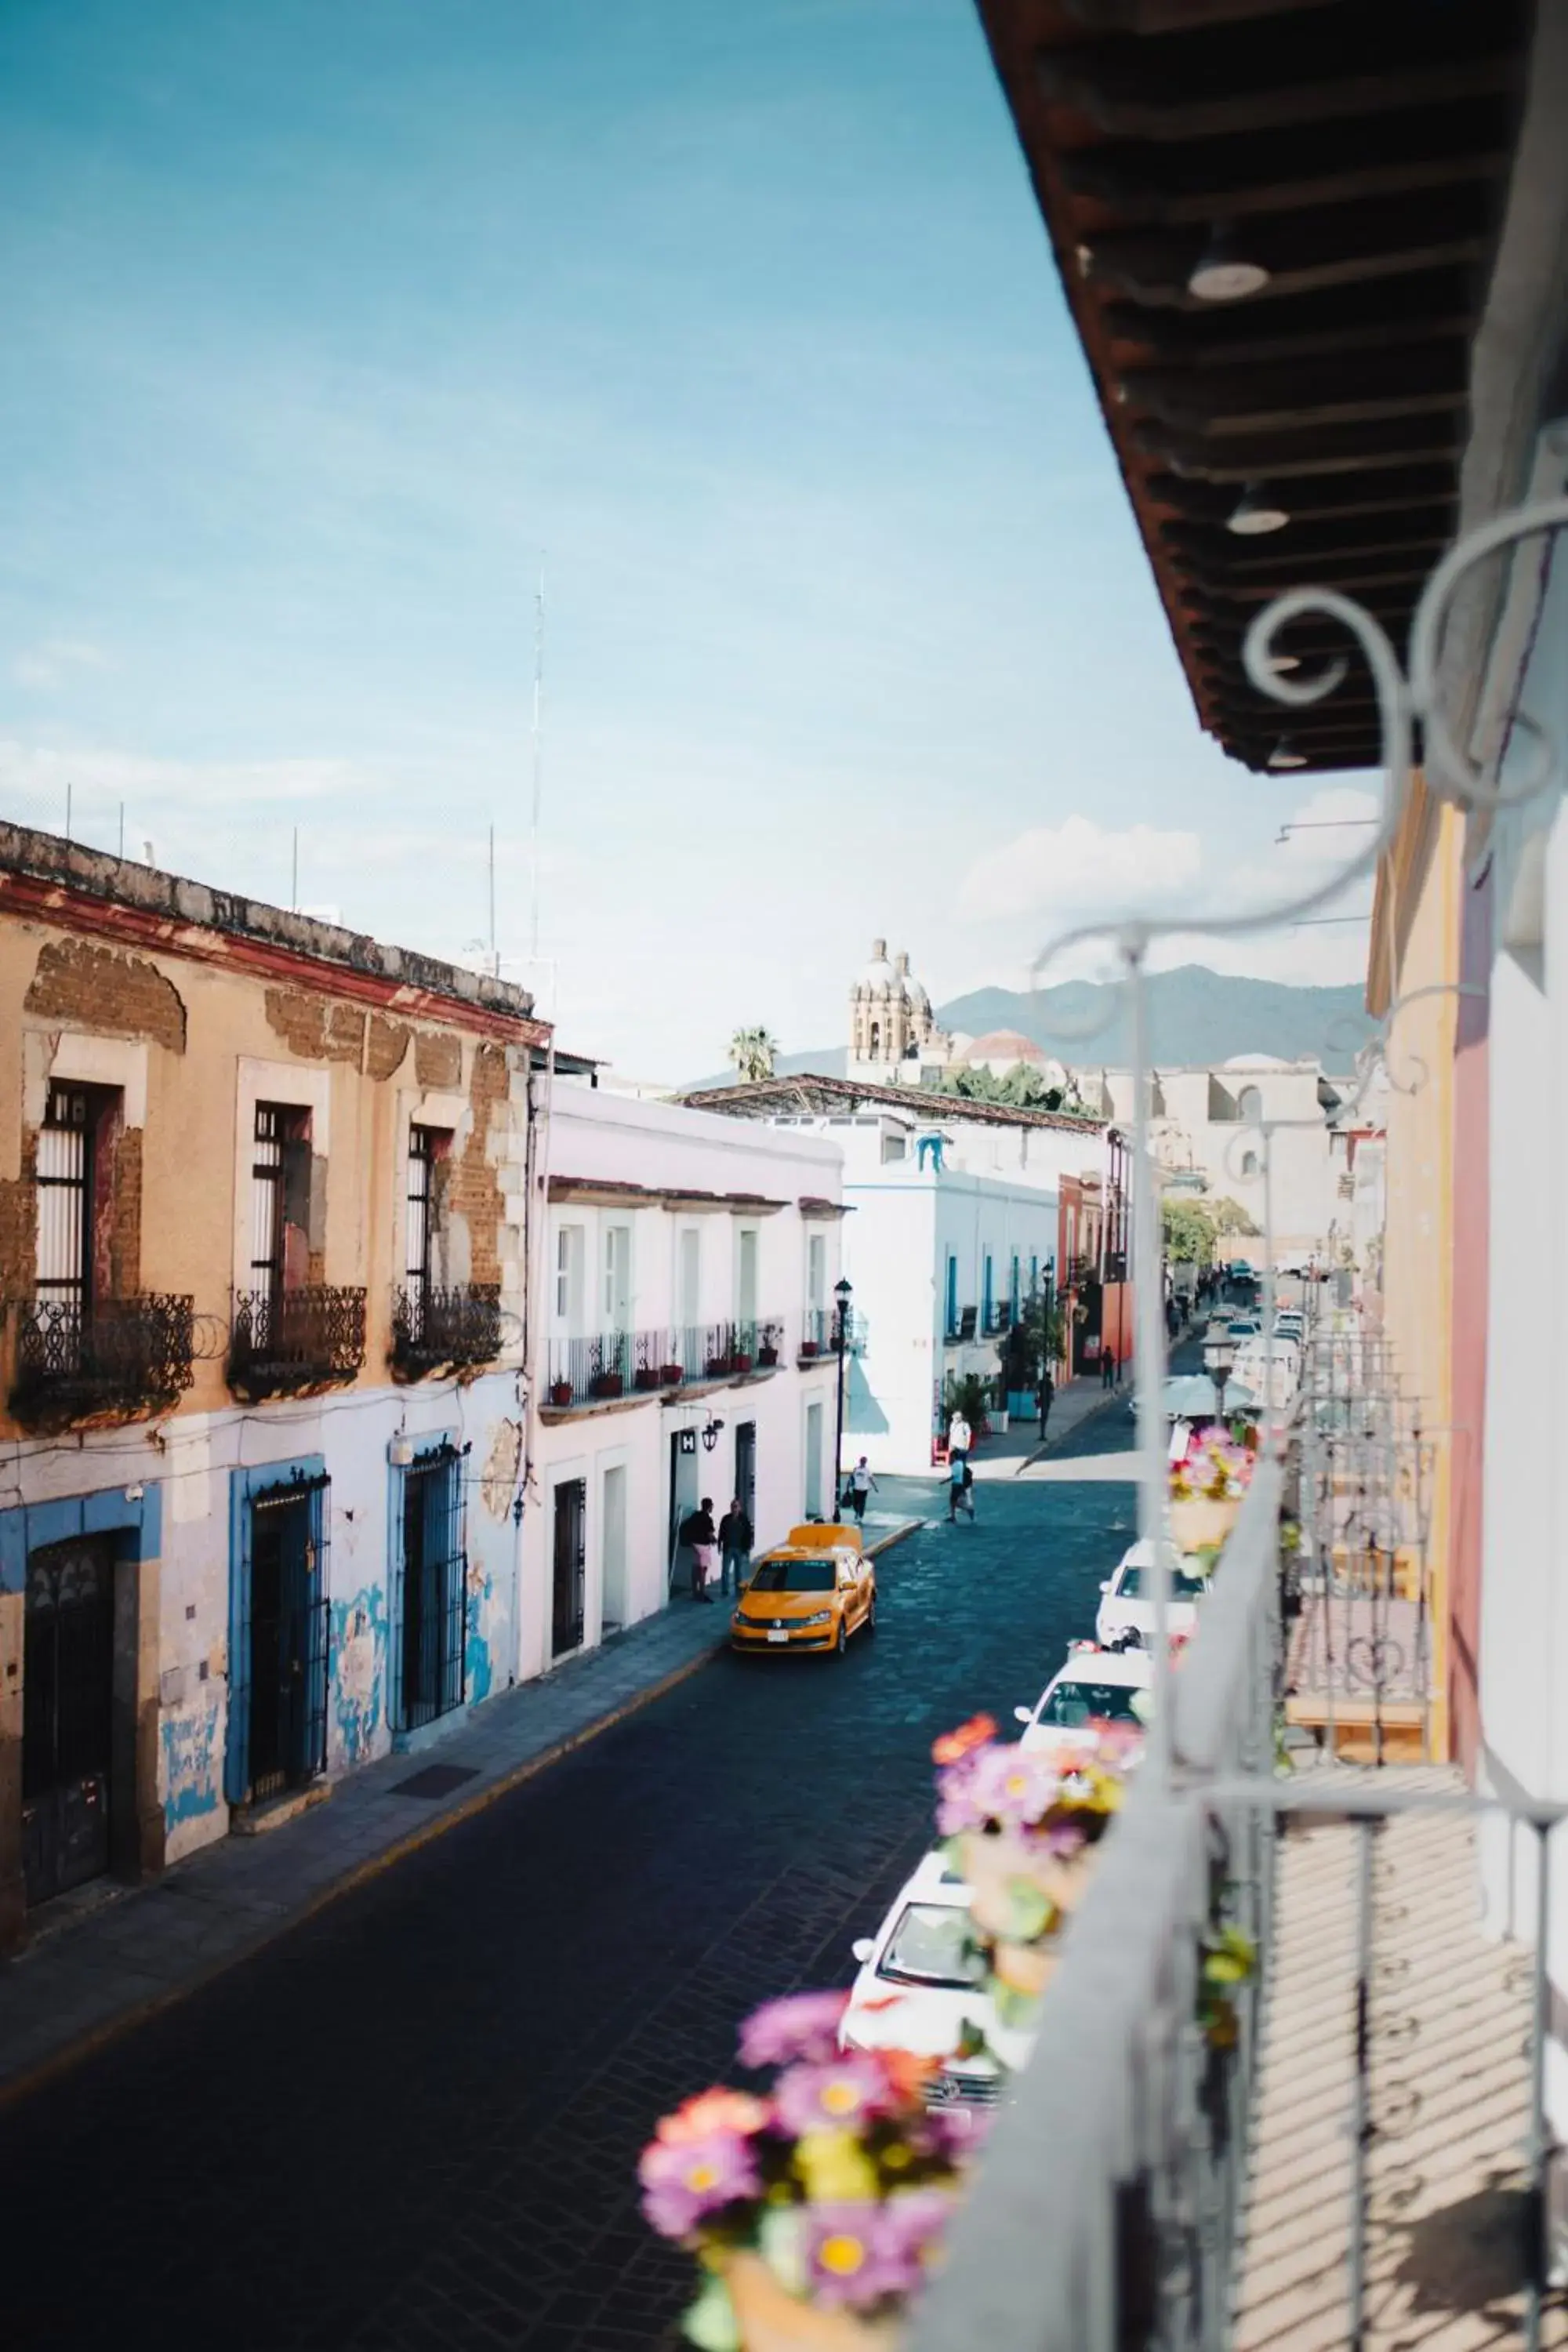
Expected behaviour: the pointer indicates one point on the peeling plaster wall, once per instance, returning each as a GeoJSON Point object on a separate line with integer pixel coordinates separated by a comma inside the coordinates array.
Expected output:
{"type": "Point", "coordinates": [354, 1435]}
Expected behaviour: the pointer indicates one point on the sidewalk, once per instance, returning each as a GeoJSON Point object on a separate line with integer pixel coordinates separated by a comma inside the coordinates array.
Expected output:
{"type": "Point", "coordinates": [138, 1949]}
{"type": "Point", "coordinates": [1012, 1450]}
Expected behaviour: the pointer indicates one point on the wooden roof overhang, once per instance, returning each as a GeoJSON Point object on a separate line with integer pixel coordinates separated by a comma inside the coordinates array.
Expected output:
{"type": "Point", "coordinates": [1359, 151]}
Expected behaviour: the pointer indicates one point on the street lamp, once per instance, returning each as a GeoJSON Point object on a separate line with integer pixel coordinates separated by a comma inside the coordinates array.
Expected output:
{"type": "Point", "coordinates": [1219, 1359]}
{"type": "Point", "coordinates": [841, 1292]}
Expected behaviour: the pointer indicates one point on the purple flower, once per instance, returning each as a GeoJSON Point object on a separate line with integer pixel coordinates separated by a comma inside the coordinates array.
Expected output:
{"type": "Point", "coordinates": [1006, 1783]}
{"type": "Point", "coordinates": [954, 2132]}
{"type": "Point", "coordinates": [838, 2096]}
{"type": "Point", "coordinates": [801, 2025]}
{"type": "Point", "coordinates": [858, 2253]}
{"type": "Point", "coordinates": [682, 2184]}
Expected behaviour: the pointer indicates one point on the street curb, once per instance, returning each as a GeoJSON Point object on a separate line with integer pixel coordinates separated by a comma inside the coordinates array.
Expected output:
{"type": "Point", "coordinates": [99, 2037]}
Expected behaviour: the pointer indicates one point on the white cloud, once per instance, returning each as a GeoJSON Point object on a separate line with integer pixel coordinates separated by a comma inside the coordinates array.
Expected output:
{"type": "Point", "coordinates": [1081, 868]}
{"type": "Point", "coordinates": [48, 666]}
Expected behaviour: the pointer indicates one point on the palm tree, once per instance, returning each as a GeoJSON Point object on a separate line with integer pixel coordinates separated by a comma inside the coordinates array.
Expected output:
{"type": "Point", "coordinates": [751, 1051]}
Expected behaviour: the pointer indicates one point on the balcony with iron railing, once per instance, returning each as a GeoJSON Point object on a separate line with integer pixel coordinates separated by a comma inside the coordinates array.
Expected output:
{"type": "Point", "coordinates": [114, 1359]}
{"type": "Point", "coordinates": [1350, 2147]}
{"type": "Point", "coordinates": [288, 1342]}
{"type": "Point", "coordinates": [601, 1368]}
{"type": "Point", "coordinates": [457, 1328]}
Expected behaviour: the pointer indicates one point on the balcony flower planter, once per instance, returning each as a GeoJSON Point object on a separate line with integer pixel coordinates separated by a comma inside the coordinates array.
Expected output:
{"type": "Point", "coordinates": [560, 1393]}
{"type": "Point", "coordinates": [772, 2320]}
{"type": "Point", "coordinates": [767, 1357]}
{"type": "Point", "coordinates": [671, 1375]}
{"type": "Point", "coordinates": [1200, 1520]}
{"type": "Point", "coordinates": [720, 1368]}
{"type": "Point", "coordinates": [742, 1366]}
{"type": "Point", "coordinates": [808, 1349]}
{"type": "Point", "coordinates": [648, 1376]}
{"type": "Point", "coordinates": [606, 1384]}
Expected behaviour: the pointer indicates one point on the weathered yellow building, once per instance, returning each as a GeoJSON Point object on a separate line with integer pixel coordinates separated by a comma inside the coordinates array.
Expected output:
{"type": "Point", "coordinates": [263, 1268]}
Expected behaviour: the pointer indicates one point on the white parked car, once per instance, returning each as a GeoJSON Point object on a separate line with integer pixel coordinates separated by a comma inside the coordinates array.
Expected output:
{"type": "Point", "coordinates": [918, 1986]}
{"type": "Point", "coordinates": [1095, 1686]}
{"type": "Point", "coordinates": [1127, 1609]}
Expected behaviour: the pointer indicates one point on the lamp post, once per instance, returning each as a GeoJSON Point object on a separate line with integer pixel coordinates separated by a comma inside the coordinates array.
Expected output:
{"type": "Point", "coordinates": [841, 1292]}
{"type": "Point", "coordinates": [1219, 1357]}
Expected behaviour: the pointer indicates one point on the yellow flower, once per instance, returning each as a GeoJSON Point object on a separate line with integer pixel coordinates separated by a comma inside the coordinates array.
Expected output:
{"type": "Point", "coordinates": [834, 2168]}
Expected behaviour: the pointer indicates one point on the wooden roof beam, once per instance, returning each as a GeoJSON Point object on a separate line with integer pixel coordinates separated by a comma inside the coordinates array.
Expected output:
{"type": "Point", "coordinates": [1303, 252]}
{"type": "Point", "coordinates": [1423, 382]}
{"type": "Point", "coordinates": [1293, 170]}
{"type": "Point", "coordinates": [1340, 450]}
{"type": "Point", "coordinates": [1348, 61]}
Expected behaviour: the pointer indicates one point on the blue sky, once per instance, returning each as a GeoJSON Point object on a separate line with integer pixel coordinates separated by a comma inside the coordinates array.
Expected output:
{"type": "Point", "coordinates": [326, 316]}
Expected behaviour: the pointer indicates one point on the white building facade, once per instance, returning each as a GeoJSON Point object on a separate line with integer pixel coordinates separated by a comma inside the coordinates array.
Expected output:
{"type": "Point", "coordinates": [685, 1287]}
{"type": "Point", "coordinates": [954, 1219]}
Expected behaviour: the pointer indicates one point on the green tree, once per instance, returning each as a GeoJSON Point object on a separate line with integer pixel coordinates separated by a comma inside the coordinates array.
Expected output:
{"type": "Point", "coordinates": [753, 1052]}
{"type": "Point", "coordinates": [1189, 1232]}
{"type": "Point", "coordinates": [1230, 1217]}
{"type": "Point", "coordinates": [1019, 1088]}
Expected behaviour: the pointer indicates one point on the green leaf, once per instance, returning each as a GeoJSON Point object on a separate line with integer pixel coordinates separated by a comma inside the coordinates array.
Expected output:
{"type": "Point", "coordinates": [710, 2323]}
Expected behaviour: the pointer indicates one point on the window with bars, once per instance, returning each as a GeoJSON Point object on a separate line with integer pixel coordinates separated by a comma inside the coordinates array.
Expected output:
{"type": "Point", "coordinates": [280, 1197]}
{"type": "Point", "coordinates": [428, 1147]}
{"type": "Point", "coordinates": [65, 1177]}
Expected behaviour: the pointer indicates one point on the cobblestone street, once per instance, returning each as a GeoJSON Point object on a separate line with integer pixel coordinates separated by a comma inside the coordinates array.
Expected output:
{"type": "Point", "coordinates": [413, 2121]}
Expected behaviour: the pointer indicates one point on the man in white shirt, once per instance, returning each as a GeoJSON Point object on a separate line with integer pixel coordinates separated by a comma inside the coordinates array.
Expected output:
{"type": "Point", "coordinates": [959, 1438]}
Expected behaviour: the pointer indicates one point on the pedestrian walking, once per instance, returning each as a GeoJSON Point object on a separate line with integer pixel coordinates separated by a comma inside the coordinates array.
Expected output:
{"type": "Point", "coordinates": [860, 1485]}
{"type": "Point", "coordinates": [735, 1549]}
{"type": "Point", "coordinates": [960, 1438]}
{"type": "Point", "coordinates": [697, 1530]}
{"type": "Point", "coordinates": [1107, 1367]}
{"type": "Point", "coordinates": [1047, 1390]}
{"type": "Point", "coordinates": [959, 1487]}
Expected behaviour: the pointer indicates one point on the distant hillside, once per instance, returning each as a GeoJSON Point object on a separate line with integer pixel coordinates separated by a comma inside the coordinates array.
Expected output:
{"type": "Point", "coordinates": [1196, 1016]}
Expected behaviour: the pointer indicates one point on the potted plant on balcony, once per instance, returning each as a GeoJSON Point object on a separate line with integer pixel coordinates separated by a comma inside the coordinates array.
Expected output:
{"type": "Point", "coordinates": [560, 1393]}
{"type": "Point", "coordinates": [741, 1365]}
{"type": "Point", "coordinates": [606, 1384]}
{"type": "Point", "coordinates": [649, 1376]}
{"type": "Point", "coordinates": [671, 1375]}
{"type": "Point", "coordinates": [768, 1354]}
{"type": "Point", "coordinates": [815, 2209]}
{"type": "Point", "coordinates": [720, 1367]}
{"type": "Point", "coordinates": [808, 1347]}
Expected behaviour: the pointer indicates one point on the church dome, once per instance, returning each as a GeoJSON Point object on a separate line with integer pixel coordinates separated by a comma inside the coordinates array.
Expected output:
{"type": "Point", "coordinates": [877, 980]}
{"type": "Point", "coordinates": [1005, 1045]}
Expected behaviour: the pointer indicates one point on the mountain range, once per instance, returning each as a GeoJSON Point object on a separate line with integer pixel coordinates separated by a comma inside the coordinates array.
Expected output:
{"type": "Point", "coordinates": [1196, 1016]}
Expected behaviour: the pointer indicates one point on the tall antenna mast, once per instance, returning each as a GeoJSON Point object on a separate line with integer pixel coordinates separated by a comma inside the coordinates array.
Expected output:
{"type": "Point", "coordinates": [495, 959]}
{"type": "Point", "coordinates": [538, 768]}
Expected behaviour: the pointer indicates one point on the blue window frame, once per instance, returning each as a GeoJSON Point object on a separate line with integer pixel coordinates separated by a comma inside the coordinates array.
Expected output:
{"type": "Point", "coordinates": [952, 1325]}
{"type": "Point", "coordinates": [988, 1295]}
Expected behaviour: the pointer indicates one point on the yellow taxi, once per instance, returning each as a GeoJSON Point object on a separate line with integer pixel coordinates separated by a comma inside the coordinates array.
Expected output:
{"type": "Point", "coordinates": [809, 1593]}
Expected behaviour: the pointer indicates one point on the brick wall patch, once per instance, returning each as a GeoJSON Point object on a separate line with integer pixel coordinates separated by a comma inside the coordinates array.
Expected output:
{"type": "Point", "coordinates": [314, 1027]}
{"type": "Point", "coordinates": [91, 987]}
{"type": "Point", "coordinates": [437, 1063]}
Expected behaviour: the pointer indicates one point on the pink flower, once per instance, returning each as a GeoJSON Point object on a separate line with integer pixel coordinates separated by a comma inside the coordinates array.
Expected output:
{"type": "Point", "coordinates": [684, 2182]}
{"type": "Point", "coordinates": [718, 2110]}
{"type": "Point", "coordinates": [858, 2253]}
{"type": "Point", "coordinates": [1001, 1782]}
{"type": "Point", "coordinates": [838, 2096]}
{"type": "Point", "coordinates": [801, 2025]}
{"type": "Point", "coordinates": [954, 2132]}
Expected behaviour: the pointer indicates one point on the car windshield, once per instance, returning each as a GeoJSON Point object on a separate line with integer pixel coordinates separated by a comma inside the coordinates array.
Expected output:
{"type": "Point", "coordinates": [1077, 1702]}
{"type": "Point", "coordinates": [1134, 1584]}
{"type": "Point", "coordinates": [794, 1576]}
{"type": "Point", "coordinates": [928, 1947]}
